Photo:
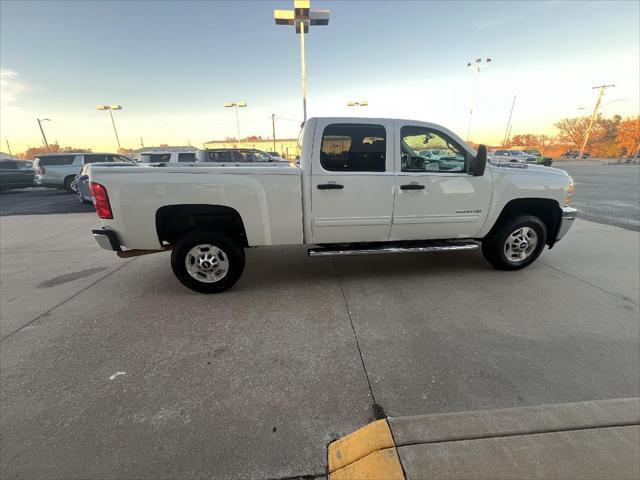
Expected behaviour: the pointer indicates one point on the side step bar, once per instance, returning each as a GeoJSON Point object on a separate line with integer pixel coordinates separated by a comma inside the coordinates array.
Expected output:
{"type": "Point", "coordinates": [372, 249]}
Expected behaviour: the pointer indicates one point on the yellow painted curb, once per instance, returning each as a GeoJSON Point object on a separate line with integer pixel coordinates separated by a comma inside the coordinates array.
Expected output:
{"type": "Point", "coordinates": [359, 444]}
{"type": "Point", "coordinates": [379, 465]}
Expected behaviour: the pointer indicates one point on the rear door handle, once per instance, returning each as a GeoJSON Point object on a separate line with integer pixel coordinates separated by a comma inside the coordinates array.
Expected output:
{"type": "Point", "coordinates": [330, 186]}
{"type": "Point", "coordinates": [412, 186]}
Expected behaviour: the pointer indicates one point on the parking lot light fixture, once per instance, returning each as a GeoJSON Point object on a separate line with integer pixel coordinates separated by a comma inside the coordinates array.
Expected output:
{"type": "Point", "coordinates": [476, 65]}
{"type": "Point", "coordinates": [235, 106]}
{"type": "Point", "coordinates": [44, 137]}
{"type": "Point", "coordinates": [110, 108]}
{"type": "Point", "coordinates": [362, 103]}
{"type": "Point", "coordinates": [302, 17]}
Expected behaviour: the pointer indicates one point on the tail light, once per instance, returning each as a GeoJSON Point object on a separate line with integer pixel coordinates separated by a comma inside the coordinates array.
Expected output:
{"type": "Point", "coordinates": [101, 200]}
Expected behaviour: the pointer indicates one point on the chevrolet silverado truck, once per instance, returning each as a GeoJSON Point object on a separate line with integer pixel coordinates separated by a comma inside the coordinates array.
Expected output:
{"type": "Point", "coordinates": [361, 188]}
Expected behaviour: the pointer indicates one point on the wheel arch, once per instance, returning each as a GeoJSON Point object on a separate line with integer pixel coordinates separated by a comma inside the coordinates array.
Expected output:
{"type": "Point", "coordinates": [545, 209]}
{"type": "Point", "coordinates": [173, 221]}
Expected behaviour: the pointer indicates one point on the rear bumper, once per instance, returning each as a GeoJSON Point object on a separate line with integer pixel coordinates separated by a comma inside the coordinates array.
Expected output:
{"type": "Point", "coordinates": [107, 239]}
{"type": "Point", "coordinates": [568, 216]}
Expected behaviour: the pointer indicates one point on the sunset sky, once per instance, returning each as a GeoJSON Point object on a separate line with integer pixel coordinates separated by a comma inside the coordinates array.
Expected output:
{"type": "Point", "coordinates": [172, 65]}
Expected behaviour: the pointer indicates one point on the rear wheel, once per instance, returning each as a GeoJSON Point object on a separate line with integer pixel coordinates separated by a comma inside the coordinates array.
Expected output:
{"type": "Point", "coordinates": [69, 184]}
{"type": "Point", "coordinates": [517, 244]}
{"type": "Point", "coordinates": [207, 262]}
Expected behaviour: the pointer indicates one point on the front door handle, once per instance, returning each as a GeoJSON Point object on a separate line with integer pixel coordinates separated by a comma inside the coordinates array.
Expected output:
{"type": "Point", "coordinates": [412, 186]}
{"type": "Point", "coordinates": [330, 186]}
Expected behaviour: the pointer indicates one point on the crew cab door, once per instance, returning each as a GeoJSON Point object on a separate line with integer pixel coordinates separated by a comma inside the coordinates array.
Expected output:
{"type": "Point", "coordinates": [352, 181]}
{"type": "Point", "coordinates": [436, 197]}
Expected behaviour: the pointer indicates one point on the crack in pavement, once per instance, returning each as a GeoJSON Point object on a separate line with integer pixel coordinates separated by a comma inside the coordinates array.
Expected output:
{"type": "Point", "coordinates": [376, 409]}
{"type": "Point", "coordinates": [617, 295]}
{"type": "Point", "coordinates": [65, 301]}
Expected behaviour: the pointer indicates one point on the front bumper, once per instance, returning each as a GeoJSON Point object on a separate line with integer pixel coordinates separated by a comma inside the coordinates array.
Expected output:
{"type": "Point", "coordinates": [568, 216]}
{"type": "Point", "coordinates": [107, 239]}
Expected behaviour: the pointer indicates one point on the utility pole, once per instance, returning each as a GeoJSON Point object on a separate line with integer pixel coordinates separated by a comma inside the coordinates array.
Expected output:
{"type": "Point", "coordinates": [477, 65]}
{"type": "Point", "coordinates": [602, 88]}
{"type": "Point", "coordinates": [111, 108]}
{"type": "Point", "coordinates": [235, 106]}
{"type": "Point", "coordinates": [302, 17]}
{"type": "Point", "coordinates": [8, 146]}
{"type": "Point", "coordinates": [44, 137]}
{"type": "Point", "coordinates": [273, 127]}
{"type": "Point", "coordinates": [506, 132]}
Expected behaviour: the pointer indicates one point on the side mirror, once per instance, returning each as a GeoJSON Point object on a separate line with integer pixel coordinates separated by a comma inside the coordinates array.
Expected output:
{"type": "Point", "coordinates": [479, 163]}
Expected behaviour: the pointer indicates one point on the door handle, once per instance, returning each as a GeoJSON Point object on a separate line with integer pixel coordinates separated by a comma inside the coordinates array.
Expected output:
{"type": "Point", "coordinates": [412, 186]}
{"type": "Point", "coordinates": [330, 186]}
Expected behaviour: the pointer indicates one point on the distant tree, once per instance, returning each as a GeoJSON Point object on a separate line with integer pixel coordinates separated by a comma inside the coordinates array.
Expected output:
{"type": "Point", "coordinates": [628, 136]}
{"type": "Point", "coordinates": [31, 152]}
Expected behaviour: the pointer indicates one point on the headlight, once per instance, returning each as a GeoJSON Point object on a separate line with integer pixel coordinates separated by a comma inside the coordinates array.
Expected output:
{"type": "Point", "coordinates": [569, 196]}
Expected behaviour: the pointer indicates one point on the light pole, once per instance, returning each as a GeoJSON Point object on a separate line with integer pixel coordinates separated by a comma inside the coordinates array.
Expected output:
{"type": "Point", "coordinates": [302, 17]}
{"type": "Point", "coordinates": [111, 108]}
{"type": "Point", "coordinates": [44, 137]}
{"type": "Point", "coordinates": [602, 88]}
{"type": "Point", "coordinates": [235, 106]}
{"type": "Point", "coordinates": [477, 65]}
{"type": "Point", "coordinates": [508, 129]}
{"type": "Point", "coordinates": [362, 103]}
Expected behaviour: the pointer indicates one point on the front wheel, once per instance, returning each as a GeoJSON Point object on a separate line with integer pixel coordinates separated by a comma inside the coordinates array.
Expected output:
{"type": "Point", "coordinates": [207, 262]}
{"type": "Point", "coordinates": [517, 244]}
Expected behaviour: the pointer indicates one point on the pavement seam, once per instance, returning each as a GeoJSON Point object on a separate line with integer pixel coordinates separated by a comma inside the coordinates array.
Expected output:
{"type": "Point", "coordinates": [520, 434]}
{"type": "Point", "coordinates": [620, 296]}
{"type": "Point", "coordinates": [375, 405]}
{"type": "Point", "coordinates": [64, 301]}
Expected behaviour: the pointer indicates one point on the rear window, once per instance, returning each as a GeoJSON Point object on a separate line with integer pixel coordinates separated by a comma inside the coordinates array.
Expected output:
{"type": "Point", "coordinates": [187, 157]}
{"type": "Point", "coordinates": [8, 165]}
{"type": "Point", "coordinates": [55, 160]}
{"type": "Point", "coordinates": [219, 156]}
{"type": "Point", "coordinates": [95, 158]}
{"type": "Point", "coordinates": [156, 157]}
{"type": "Point", "coordinates": [353, 148]}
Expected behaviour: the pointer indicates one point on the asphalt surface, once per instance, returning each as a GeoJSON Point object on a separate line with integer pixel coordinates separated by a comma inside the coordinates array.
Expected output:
{"type": "Point", "coordinates": [111, 369]}
{"type": "Point", "coordinates": [608, 194]}
{"type": "Point", "coordinates": [40, 201]}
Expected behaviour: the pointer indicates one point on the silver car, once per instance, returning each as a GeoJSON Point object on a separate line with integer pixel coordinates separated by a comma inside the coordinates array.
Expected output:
{"type": "Point", "coordinates": [58, 170]}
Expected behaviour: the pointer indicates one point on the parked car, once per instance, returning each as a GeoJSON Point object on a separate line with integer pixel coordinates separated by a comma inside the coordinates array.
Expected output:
{"type": "Point", "coordinates": [540, 159]}
{"type": "Point", "coordinates": [14, 175]}
{"type": "Point", "coordinates": [58, 170]}
{"type": "Point", "coordinates": [236, 155]}
{"type": "Point", "coordinates": [516, 156]}
{"type": "Point", "coordinates": [276, 156]}
{"type": "Point", "coordinates": [167, 157]}
{"type": "Point", "coordinates": [357, 191]}
{"type": "Point", "coordinates": [81, 180]}
{"type": "Point", "coordinates": [575, 154]}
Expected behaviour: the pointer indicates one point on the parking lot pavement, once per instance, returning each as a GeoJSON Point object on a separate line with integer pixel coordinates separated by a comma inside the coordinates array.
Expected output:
{"type": "Point", "coordinates": [40, 201]}
{"type": "Point", "coordinates": [124, 373]}
{"type": "Point", "coordinates": [607, 194]}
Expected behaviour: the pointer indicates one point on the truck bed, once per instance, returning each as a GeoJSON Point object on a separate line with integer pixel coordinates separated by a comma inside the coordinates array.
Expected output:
{"type": "Point", "coordinates": [267, 197]}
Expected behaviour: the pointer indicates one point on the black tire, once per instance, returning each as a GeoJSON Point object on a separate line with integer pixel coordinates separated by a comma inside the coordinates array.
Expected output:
{"type": "Point", "coordinates": [493, 246]}
{"type": "Point", "coordinates": [233, 253]}
{"type": "Point", "coordinates": [68, 184]}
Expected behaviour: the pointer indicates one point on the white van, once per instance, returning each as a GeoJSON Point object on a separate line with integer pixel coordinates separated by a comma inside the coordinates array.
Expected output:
{"type": "Point", "coordinates": [163, 156]}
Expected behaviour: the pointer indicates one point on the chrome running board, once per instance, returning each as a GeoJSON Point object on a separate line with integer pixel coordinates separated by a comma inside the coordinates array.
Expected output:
{"type": "Point", "coordinates": [372, 249]}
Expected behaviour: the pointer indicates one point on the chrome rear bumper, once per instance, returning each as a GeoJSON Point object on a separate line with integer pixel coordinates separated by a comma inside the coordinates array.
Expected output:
{"type": "Point", "coordinates": [568, 216]}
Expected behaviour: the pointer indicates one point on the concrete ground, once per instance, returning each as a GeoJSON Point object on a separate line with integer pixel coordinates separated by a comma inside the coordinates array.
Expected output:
{"type": "Point", "coordinates": [111, 369]}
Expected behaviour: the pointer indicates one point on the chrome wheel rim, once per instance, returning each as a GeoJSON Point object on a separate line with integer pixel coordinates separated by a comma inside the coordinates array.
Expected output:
{"type": "Point", "coordinates": [207, 263]}
{"type": "Point", "coordinates": [520, 245]}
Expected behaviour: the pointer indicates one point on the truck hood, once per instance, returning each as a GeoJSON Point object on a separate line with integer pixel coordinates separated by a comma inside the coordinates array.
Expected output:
{"type": "Point", "coordinates": [528, 168]}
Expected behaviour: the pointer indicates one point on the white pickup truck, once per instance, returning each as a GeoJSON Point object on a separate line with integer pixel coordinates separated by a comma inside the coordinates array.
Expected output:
{"type": "Point", "coordinates": [361, 188]}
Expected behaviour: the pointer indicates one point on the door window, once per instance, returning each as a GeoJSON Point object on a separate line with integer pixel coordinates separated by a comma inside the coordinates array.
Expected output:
{"type": "Point", "coordinates": [426, 150]}
{"type": "Point", "coordinates": [219, 156]}
{"type": "Point", "coordinates": [353, 148]}
{"type": "Point", "coordinates": [95, 158]}
{"type": "Point", "coordinates": [187, 157]}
